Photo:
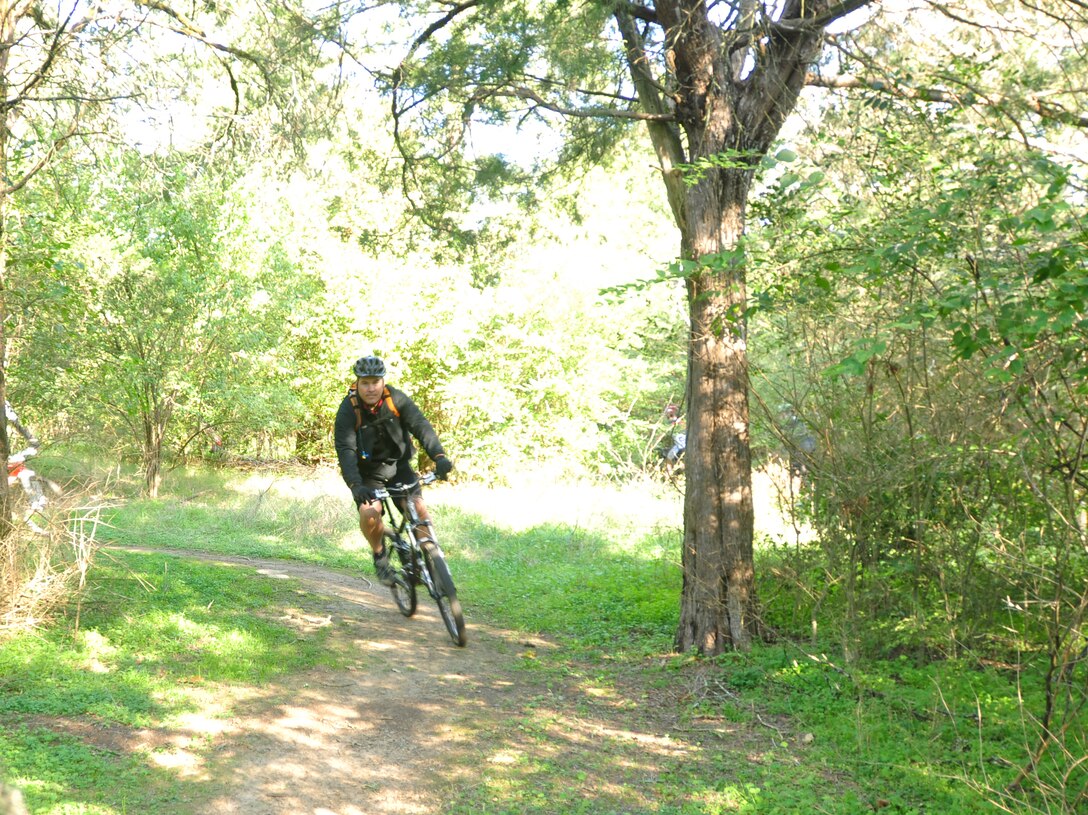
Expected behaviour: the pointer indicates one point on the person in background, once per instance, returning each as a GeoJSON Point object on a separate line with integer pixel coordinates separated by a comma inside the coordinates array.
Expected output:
{"type": "Point", "coordinates": [679, 437]}
{"type": "Point", "coordinates": [373, 434]}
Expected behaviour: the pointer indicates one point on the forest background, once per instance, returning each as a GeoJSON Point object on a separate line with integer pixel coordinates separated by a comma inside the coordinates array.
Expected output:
{"type": "Point", "coordinates": [198, 244]}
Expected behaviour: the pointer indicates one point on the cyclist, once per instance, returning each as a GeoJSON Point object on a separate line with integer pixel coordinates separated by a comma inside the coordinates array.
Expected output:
{"type": "Point", "coordinates": [373, 435]}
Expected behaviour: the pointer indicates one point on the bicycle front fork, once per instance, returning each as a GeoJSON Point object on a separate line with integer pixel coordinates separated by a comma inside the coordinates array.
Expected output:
{"type": "Point", "coordinates": [420, 526]}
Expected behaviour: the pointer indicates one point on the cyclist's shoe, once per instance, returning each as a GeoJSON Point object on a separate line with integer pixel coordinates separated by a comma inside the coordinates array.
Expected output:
{"type": "Point", "coordinates": [382, 567]}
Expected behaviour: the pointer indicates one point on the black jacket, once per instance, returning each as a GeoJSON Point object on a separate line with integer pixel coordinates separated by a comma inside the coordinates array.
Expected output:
{"type": "Point", "coordinates": [384, 439]}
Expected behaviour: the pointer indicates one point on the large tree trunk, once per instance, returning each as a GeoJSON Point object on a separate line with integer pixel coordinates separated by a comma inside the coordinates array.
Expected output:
{"type": "Point", "coordinates": [729, 91]}
{"type": "Point", "coordinates": [718, 597]}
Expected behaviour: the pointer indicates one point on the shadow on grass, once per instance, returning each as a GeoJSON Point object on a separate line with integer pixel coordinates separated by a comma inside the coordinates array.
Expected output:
{"type": "Point", "coordinates": [85, 710]}
{"type": "Point", "coordinates": [63, 772]}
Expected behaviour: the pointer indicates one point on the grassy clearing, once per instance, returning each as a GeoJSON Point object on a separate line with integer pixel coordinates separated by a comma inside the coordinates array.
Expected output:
{"type": "Point", "coordinates": [155, 638]}
{"type": "Point", "coordinates": [783, 729]}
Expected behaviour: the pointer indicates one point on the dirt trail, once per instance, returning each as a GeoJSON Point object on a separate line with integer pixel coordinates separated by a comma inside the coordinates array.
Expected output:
{"type": "Point", "coordinates": [415, 722]}
{"type": "Point", "coordinates": [388, 735]}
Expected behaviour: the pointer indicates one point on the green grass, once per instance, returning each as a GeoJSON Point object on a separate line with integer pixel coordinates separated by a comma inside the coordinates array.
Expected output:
{"type": "Point", "coordinates": [592, 569]}
{"type": "Point", "coordinates": [313, 530]}
{"type": "Point", "coordinates": [148, 622]}
{"type": "Point", "coordinates": [562, 582]}
{"type": "Point", "coordinates": [152, 630]}
{"type": "Point", "coordinates": [62, 775]}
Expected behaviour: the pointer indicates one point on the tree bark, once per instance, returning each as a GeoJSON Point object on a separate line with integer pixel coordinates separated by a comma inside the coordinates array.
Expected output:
{"type": "Point", "coordinates": [157, 410]}
{"type": "Point", "coordinates": [718, 594]}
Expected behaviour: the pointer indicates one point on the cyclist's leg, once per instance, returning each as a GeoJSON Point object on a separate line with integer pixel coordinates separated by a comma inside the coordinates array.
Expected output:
{"type": "Point", "coordinates": [426, 527]}
{"type": "Point", "coordinates": [371, 524]}
{"type": "Point", "coordinates": [406, 475]}
{"type": "Point", "coordinates": [373, 528]}
{"type": "Point", "coordinates": [370, 516]}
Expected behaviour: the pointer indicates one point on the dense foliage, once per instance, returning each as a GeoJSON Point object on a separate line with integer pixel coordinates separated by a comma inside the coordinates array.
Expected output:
{"type": "Point", "coordinates": [191, 308]}
{"type": "Point", "coordinates": [937, 293]}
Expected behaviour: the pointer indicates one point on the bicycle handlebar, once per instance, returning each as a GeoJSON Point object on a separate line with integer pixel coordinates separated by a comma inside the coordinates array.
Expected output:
{"type": "Point", "coordinates": [400, 490]}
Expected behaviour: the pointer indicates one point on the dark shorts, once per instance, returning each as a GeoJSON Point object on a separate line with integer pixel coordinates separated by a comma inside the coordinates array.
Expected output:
{"type": "Point", "coordinates": [400, 473]}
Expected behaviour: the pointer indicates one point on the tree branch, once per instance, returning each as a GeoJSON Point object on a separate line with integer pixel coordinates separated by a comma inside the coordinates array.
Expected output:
{"type": "Point", "coordinates": [638, 11]}
{"type": "Point", "coordinates": [664, 133]}
{"type": "Point", "coordinates": [42, 161]}
{"type": "Point", "coordinates": [426, 35]}
{"type": "Point", "coordinates": [187, 28]}
{"type": "Point", "coordinates": [530, 95]}
{"type": "Point", "coordinates": [821, 20]}
{"type": "Point", "coordinates": [54, 47]}
{"type": "Point", "coordinates": [418, 42]}
{"type": "Point", "coordinates": [441, 23]}
{"type": "Point", "coordinates": [1046, 110]}
{"type": "Point", "coordinates": [619, 97]}
{"type": "Point", "coordinates": [778, 75]}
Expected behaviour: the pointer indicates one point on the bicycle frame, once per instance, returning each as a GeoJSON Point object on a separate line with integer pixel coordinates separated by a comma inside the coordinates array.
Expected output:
{"type": "Point", "coordinates": [421, 559]}
{"type": "Point", "coordinates": [403, 525]}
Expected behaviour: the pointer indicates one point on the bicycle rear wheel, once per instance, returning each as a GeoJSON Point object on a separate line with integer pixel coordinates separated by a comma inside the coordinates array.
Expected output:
{"type": "Point", "coordinates": [404, 586]}
{"type": "Point", "coordinates": [445, 593]}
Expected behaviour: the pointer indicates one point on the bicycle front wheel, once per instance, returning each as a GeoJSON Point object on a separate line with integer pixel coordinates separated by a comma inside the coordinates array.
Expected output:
{"type": "Point", "coordinates": [404, 586]}
{"type": "Point", "coordinates": [444, 593]}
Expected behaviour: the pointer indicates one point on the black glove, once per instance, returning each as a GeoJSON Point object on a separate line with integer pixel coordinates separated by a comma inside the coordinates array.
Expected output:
{"type": "Point", "coordinates": [362, 495]}
{"type": "Point", "coordinates": [442, 467]}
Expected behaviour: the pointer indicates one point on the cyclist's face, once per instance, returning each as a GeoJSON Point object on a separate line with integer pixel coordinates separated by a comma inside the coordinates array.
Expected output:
{"type": "Point", "coordinates": [370, 389]}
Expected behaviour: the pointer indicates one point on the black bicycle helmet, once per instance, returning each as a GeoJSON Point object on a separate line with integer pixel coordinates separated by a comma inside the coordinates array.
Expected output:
{"type": "Point", "coordinates": [369, 366]}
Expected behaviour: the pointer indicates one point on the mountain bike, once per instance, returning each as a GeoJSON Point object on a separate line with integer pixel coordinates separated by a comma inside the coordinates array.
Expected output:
{"type": "Point", "coordinates": [420, 559]}
{"type": "Point", "coordinates": [31, 482]}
